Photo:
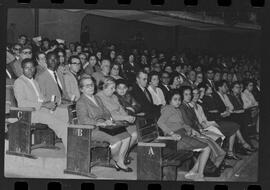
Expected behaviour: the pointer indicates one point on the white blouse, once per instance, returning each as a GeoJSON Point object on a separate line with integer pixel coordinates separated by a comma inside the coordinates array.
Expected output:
{"type": "Point", "coordinates": [158, 96]}
{"type": "Point", "coordinates": [248, 99]}
{"type": "Point", "coordinates": [215, 132]}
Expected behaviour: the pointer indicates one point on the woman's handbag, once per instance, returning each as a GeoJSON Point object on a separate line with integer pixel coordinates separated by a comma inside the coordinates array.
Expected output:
{"type": "Point", "coordinates": [119, 127]}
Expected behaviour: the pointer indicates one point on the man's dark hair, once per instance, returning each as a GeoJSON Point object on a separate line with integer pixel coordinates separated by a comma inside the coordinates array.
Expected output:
{"type": "Point", "coordinates": [16, 44]}
{"type": "Point", "coordinates": [22, 35]}
{"type": "Point", "coordinates": [220, 84]}
{"type": "Point", "coordinates": [73, 57]}
{"type": "Point", "coordinates": [38, 53]}
{"type": "Point", "coordinates": [27, 60]}
{"type": "Point", "coordinates": [60, 50]}
{"type": "Point", "coordinates": [49, 54]}
{"type": "Point", "coordinates": [164, 72]}
{"type": "Point", "coordinates": [139, 72]}
{"type": "Point", "coordinates": [45, 39]}
{"type": "Point", "coordinates": [234, 83]}
{"type": "Point", "coordinates": [54, 43]}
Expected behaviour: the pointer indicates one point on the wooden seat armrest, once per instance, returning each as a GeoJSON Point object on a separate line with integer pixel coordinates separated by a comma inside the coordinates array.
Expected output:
{"type": "Point", "coordinates": [82, 126]}
{"type": "Point", "coordinates": [165, 138]}
{"type": "Point", "coordinates": [23, 108]}
{"type": "Point", "coordinates": [152, 144]}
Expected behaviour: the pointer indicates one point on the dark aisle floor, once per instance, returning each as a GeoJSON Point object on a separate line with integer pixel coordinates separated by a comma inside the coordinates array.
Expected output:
{"type": "Point", "coordinates": [249, 172]}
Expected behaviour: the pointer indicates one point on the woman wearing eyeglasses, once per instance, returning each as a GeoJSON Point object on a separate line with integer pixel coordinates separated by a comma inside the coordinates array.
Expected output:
{"type": "Point", "coordinates": [91, 111]}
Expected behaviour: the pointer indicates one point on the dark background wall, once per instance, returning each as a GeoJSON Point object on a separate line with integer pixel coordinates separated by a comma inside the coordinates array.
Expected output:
{"type": "Point", "coordinates": [116, 30]}
{"type": "Point", "coordinates": [56, 23]}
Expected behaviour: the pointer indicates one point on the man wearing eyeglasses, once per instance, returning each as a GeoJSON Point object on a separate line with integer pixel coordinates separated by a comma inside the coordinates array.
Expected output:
{"type": "Point", "coordinates": [71, 78]}
{"type": "Point", "coordinates": [16, 49]}
{"type": "Point", "coordinates": [26, 52]}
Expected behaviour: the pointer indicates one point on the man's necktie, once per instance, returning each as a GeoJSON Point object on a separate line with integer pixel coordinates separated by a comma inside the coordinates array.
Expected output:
{"type": "Point", "coordinates": [55, 76]}
{"type": "Point", "coordinates": [147, 95]}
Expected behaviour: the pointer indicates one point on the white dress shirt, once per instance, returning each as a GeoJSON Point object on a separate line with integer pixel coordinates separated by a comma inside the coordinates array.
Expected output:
{"type": "Point", "coordinates": [35, 88]}
{"type": "Point", "coordinates": [158, 96]}
{"type": "Point", "coordinates": [248, 99]}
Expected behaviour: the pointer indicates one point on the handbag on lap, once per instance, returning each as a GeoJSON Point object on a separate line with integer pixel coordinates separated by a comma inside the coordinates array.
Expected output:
{"type": "Point", "coordinates": [119, 127]}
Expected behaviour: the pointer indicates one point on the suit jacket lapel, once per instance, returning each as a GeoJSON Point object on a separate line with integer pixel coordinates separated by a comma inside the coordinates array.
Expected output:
{"type": "Point", "coordinates": [49, 76]}
{"type": "Point", "coordinates": [92, 104]}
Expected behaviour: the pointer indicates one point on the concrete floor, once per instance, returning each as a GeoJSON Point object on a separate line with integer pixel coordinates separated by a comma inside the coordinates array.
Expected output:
{"type": "Point", "coordinates": [51, 163]}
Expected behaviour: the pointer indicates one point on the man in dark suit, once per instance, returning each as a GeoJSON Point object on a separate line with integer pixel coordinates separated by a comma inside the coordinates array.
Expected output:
{"type": "Point", "coordinates": [164, 84]}
{"type": "Point", "coordinates": [143, 96]}
{"type": "Point", "coordinates": [131, 68]}
{"type": "Point", "coordinates": [209, 78]}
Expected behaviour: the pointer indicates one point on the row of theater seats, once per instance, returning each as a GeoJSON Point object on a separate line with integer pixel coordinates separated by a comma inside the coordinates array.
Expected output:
{"type": "Point", "coordinates": [157, 158]}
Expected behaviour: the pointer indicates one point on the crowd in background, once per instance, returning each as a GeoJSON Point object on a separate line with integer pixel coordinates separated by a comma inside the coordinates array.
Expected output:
{"type": "Point", "coordinates": [186, 92]}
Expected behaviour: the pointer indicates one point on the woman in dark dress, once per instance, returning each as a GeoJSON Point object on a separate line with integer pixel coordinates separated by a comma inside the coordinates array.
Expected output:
{"type": "Point", "coordinates": [228, 128]}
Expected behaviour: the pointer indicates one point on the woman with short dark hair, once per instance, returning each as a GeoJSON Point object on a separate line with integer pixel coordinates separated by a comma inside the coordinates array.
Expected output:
{"type": "Point", "coordinates": [172, 124]}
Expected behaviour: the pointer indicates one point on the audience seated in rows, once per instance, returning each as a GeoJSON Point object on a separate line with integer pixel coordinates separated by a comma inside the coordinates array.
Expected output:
{"type": "Point", "coordinates": [200, 99]}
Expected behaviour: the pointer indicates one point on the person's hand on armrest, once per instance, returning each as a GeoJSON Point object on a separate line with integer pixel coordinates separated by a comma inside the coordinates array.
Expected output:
{"type": "Point", "coordinates": [204, 125]}
{"type": "Point", "coordinates": [130, 109]}
{"type": "Point", "coordinates": [213, 111]}
{"type": "Point", "coordinates": [175, 136]}
{"type": "Point", "coordinates": [49, 105]}
{"type": "Point", "coordinates": [66, 101]}
{"type": "Point", "coordinates": [225, 114]}
{"type": "Point", "coordinates": [239, 111]}
{"type": "Point", "coordinates": [195, 133]}
{"type": "Point", "coordinates": [140, 114]}
{"type": "Point", "coordinates": [130, 119]}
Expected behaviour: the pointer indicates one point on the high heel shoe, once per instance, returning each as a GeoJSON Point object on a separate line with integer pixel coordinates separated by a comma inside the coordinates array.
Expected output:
{"type": "Point", "coordinates": [118, 168]}
{"type": "Point", "coordinates": [232, 156]}
{"type": "Point", "coordinates": [247, 147]}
